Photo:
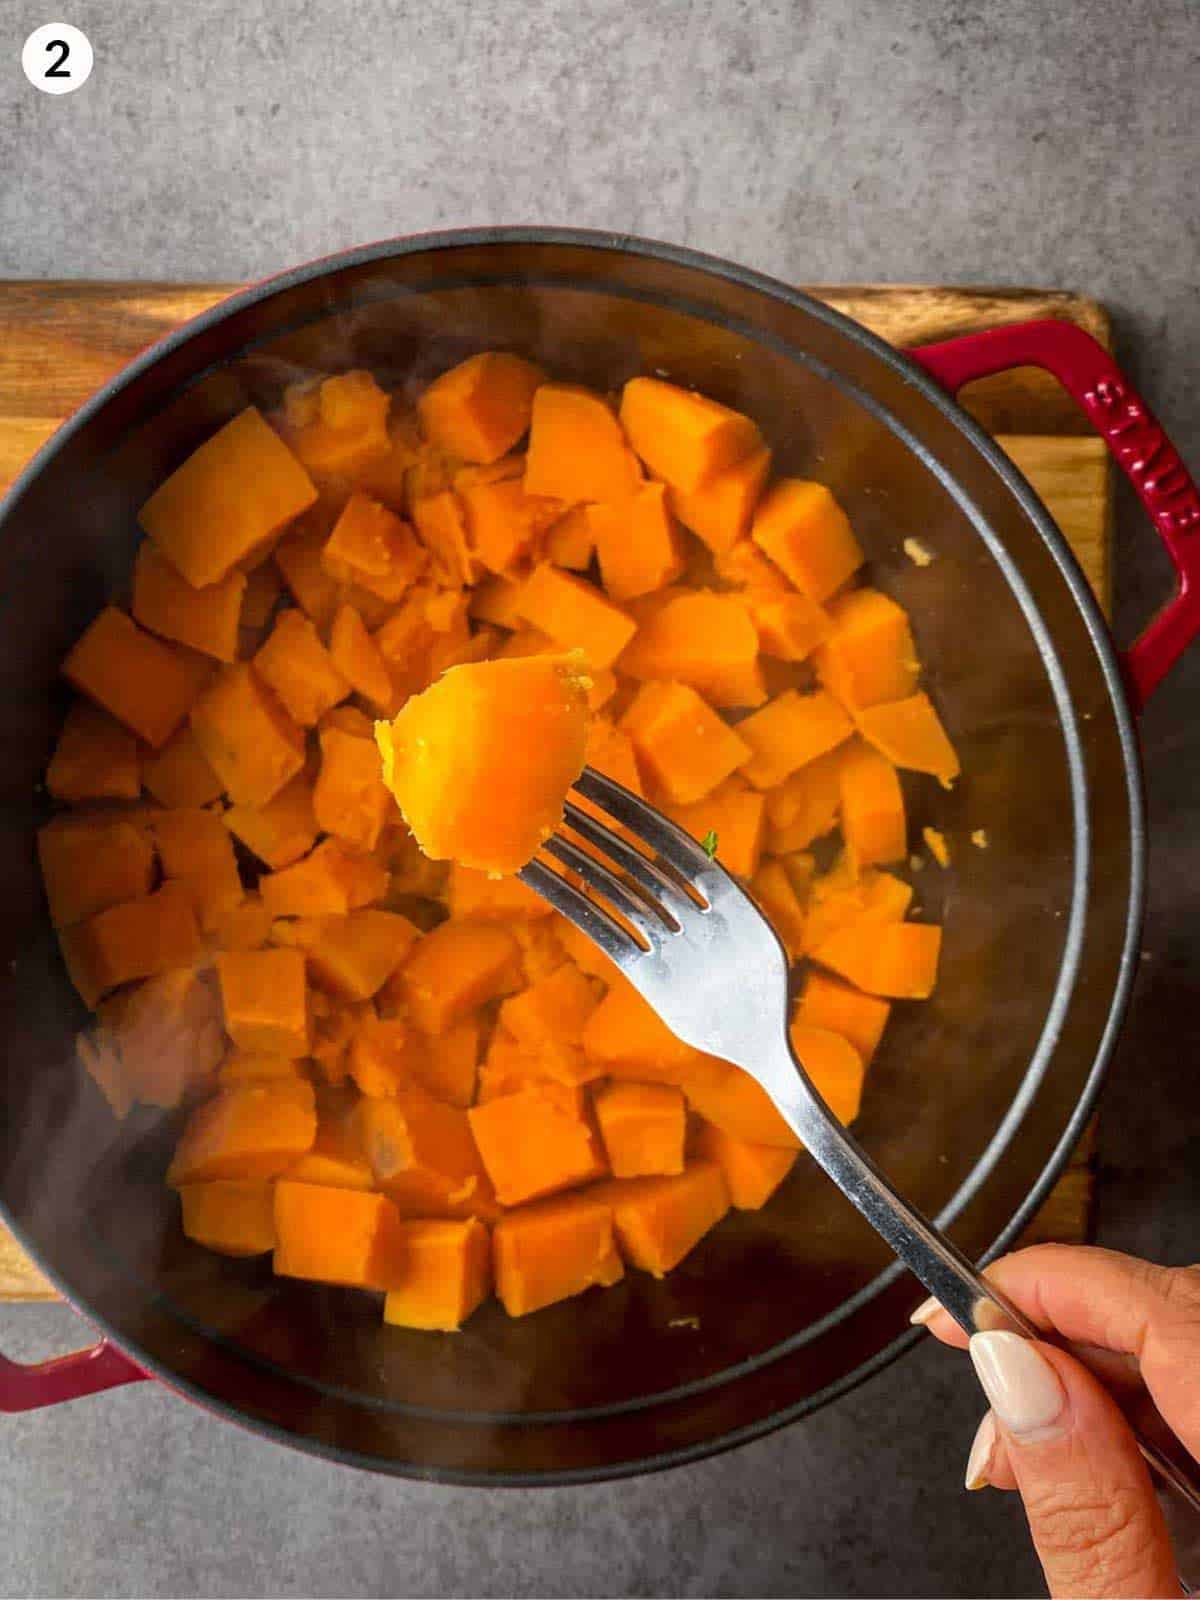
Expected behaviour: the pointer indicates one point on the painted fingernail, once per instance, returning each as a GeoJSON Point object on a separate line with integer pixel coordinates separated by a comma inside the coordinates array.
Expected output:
{"type": "Point", "coordinates": [980, 1459]}
{"type": "Point", "coordinates": [1021, 1385]}
{"type": "Point", "coordinates": [925, 1312]}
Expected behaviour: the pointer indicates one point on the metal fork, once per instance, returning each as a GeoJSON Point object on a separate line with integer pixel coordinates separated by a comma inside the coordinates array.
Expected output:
{"type": "Point", "coordinates": [699, 950]}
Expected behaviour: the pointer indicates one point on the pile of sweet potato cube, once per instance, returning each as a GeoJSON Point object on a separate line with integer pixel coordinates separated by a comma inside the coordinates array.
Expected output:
{"type": "Point", "coordinates": [403, 1075]}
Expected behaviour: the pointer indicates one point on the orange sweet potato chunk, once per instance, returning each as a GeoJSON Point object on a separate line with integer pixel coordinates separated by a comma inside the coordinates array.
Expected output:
{"type": "Point", "coordinates": [845, 897]}
{"type": "Point", "coordinates": [350, 799]}
{"type": "Point", "coordinates": [228, 500]}
{"type": "Point", "coordinates": [659, 1220]}
{"type": "Point", "coordinates": [481, 762]}
{"type": "Point", "coordinates": [383, 1056]}
{"type": "Point", "coordinates": [834, 1066]}
{"type": "Point", "coordinates": [504, 521]}
{"type": "Point", "coordinates": [638, 543]}
{"type": "Point", "coordinates": [534, 1143]}
{"type": "Point", "coordinates": [280, 832]}
{"type": "Point", "coordinates": [736, 815]}
{"type": "Point", "coordinates": [90, 863]}
{"type": "Point", "coordinates": [261, 595]}
{"type": "Point", "coordinates": [95, 758]}
{"type": "Point", "coordinates": [577, 450]}
{"type": "Point", "coordinates": [337, 1236]}
{"type": "Point", "coordinates": [627, 1038]}
{"type": "Point", "coordinates": [254, 1130]}
{"type": "Point", "coordinates": [179, 774]}
{"type": "Point", "coordinates": [244, 1066]}
{"type": "Point", "coordinates": [703, 639]}
{"type": "Point", "coordinates": [548, 1018]}
{"type": "Point", "coordinates": [144, 683]}
{"type": "Point", "coordinates": [642, 1126]}
{"type": "Point", "coordinates": [298, 557]}
{"type": "Point", "coordinates": [575, 615]}
{"type": "Point", "coordinates": [776, 894]}
{"type": "Point", "coordinates": [205, 619]}
{"type": "Point", "coordinates": [874, 824]}
{"type": "Point", "coordinates": [356, 656]}
{"type": "Point", "coordinates": [442, 527]}
{"type": "Point", "coordinates": [233, 1216]}
{"type": "Point", "coordinates": [720, 510]}
{"type": "Point", "coordinates": [504, 899]}
{"type": "Point", "coordinates": [910, 734]}
{"type": "Point", "coordinates": [265, 1000]}
{"type": "Point", "coordinates": [447, 1273]}
{"type": "Point", "coordinates": [569, 542]}
{"type": "Point", "coordinates": [752, 1172]}
{"type": "Point", "coordinates": [804, 531]}
{"type": "Point", "coordinates": [456, 968]}
{"type": "Point", "coordinates": [448, 1067]}
{"type": "Point", "coordinates": [372, 546]}
{"type": "Point", "coordinates": [551, 1251]}
{"type": "Point", "coordinates": [245, 926]}
{"type": "Point", "coordinates": [247, 738]}
{"type": "Point", "coordinates": [805, 806]}
{"type": "Point", "coordinates": [195, 849]}
{"type": "Point", "coordinates": [869, 656]}
{"type": "Point", "coordinates": [683, 747]}
{"type": "Point", "coordinates": [337, 1159]}
{"type": "Point", "coordinates": [338, 428]}
{"type": "Point", "coordinates": [683, 437]}
{"type": "Point", "coordinates": [296, 665]}
{"type": "Point", "coordinates": [731, 1099]}
{"type": "Point", "coordinates": [480, 408]}
{"type": "Point", "coordinates": [498, 601]}
{"type": "Point", "coordinates": [136, 939]}
{"type": "Point", "coordinates": [790, 731]}
{"type": "Point", "coordinates": [423, 1155]}
{"type": "Point", "coordinates": [898, 960]}
{"type": "Point", "coordinates": [317, 886]}
{"type": "Point", "coordinates": [828, 1003]}
{"type": "Point", "coordinates": [351, 956]}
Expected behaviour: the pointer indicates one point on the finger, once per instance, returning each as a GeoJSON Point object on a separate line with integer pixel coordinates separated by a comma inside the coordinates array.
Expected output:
{"type": "Point", "coordinates": [988, 1466]}
{"type": "Point", "coordinates": [1097, 1297]}
{"type": "Point", "coordinates": [1092, 1512]}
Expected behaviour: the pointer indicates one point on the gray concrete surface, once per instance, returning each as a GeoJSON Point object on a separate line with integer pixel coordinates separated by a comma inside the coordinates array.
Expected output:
{"type": "Point", "coordinates": [939, 141]}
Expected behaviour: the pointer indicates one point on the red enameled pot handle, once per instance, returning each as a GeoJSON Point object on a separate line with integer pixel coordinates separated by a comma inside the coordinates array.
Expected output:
{"type": "Point", "coordinates": [1138, 444]}
{"type": "Point", "coordinates": [28, 1387]}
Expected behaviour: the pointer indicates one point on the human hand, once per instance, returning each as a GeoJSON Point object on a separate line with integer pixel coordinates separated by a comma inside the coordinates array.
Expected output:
{"type": "Point", "coordinates": [1056, 1434]}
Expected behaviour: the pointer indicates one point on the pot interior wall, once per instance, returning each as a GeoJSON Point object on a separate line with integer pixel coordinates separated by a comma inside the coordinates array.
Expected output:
{"type": "Point", "coordinates": [90, 1195]}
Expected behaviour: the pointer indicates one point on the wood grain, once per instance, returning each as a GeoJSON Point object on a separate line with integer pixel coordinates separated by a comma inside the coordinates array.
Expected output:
{"type": "Point", "coordinates": [62, 341]}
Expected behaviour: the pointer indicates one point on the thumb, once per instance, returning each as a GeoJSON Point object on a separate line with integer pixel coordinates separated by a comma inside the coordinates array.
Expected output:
{"type": "Point", "coordinates": [1092, 1512]}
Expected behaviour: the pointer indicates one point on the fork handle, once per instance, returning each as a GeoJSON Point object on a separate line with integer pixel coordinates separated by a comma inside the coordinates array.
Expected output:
{"type": "Point", "coordinates": [974, 1303]}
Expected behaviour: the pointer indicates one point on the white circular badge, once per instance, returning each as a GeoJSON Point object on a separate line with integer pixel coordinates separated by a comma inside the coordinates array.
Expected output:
{"type": "Point", "coordinates": [57, 58]}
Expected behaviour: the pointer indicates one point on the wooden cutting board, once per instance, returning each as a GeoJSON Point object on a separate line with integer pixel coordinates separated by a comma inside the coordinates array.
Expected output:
{"type": "Point", "coordinates": [61, 341]}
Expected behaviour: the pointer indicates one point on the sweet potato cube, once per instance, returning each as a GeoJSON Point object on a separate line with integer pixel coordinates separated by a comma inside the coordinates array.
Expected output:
{"type": "Point", "coordinates": [144, 683]}
{"type": "Point", "coordinates": [570, 542]}
{"type": "Point", "coordinates": [442, 528]}
{"type": "Point", "coordinates": [910, 734]}
{"type": "Point", "coordinates": [91, 863]}
{"type": "Point", "coordinates": [234, 1217]}
{"type": "Point", "coordinates": [834, 1066]}
{"type": "Point", "coordinates": [297, 667]}
{"type": "Point", "coordinates": [731, 1099]}
{"type": "Point", "coordinates": [827, 1003]}
{"type": "Point", "coordinates": [447, 1274]}
{"type": "Point", "coordinates": [507, 1069]}
{"type": "Point", "coordinates": [576, 615]}
{"type": "Point", "coordinates": [683, 747]}
{"type": "Point", "coordinates": [627, 1038]}
{"type": "Point", "coordinates": [752, 1172]}
{"type": "Point", "coordinates": [874, 824]}
{"type": "Point", "coordinates": [337, 1159]}
{"type": "Point", "coordinates": [642, 1126]}
{"type": "Point", "coordinates": [372, 546]}
{"type": "Point", "coordinates": [498, 601]}
{"type": "Point", "coordinates": [504, 521]}
{"type": "Point", "coordinates": [805, 806]}
{"type": "Point", "coordinates": [280, 832]}
{"type": "Point", "coordinates": [456, 968]}
{"type": "Point", "coordinates": [804, 531]}
{"type": "Point", "coordinates": [448, 1067]}
{"type": "Point", "coordinates": [703, 639]}
{"type": "Point", "coordinates": [179, 774]}
{"type": "Point", "coordinates": [869, 656]}
{"type": "Point", "coordinates": [736, 816]}
{"type": "Point", "coordinates": [247, 738]}
{"type": "Point", "coordinates": [95, 758]}
{"type": "Point", "coordinates": [659, 1220]}
{"type": "Point", "coordinates": [246, 926]}
{"type": "Point", "coordinates": [577, 450]}
{"type": "Point", "coordinates": [683, 437]}
{"type": "Point", "coordinates": [844, 898]}
{"type": "Point", "coordinates": [585, 952]}
{"type": "Point", "coordinates": [721, 509]}
{"type": "Point", "coordinates": [167, 1033]}
{"type": "Point", "coordinates": [254, 1130]}
{"type": "Point", "coordinates": [481, 762]}
{"type": "Point", "coordinates": [265, 1000]}
{"type": "Point", "coordinates": [195, 848]}
{"type": "Point", "coordinates": [356, 656]}
{"type": "Point", "coordinates": [136, 939]}
{"type": "Point", "coordinates": [503, 899]}
{"type": "Point", "coordinates": [551, 1251]}
{"type": "Point", "coordinates": [261, 595]}
{"type": "Point", "coordinates": [774, 891]}
{"type": "Point", "coordinates": [338, 1236]}
{"type": "Point", "coordinates": [479, 409]}
{"type": "Point", "coordinates": [383, 1056]}
{"type": "Point", "coordinates": [228, 500]}
{"type": "Point", "coordinates": [298, 558]}
{"type": "Point", "coordinates": [789, 626]}
{"type": "Point", "coordinates": [166, 603]}
{"type": "Point", "coordinates": [317, 886]}
{"type": "Point", "coordinates": [350, 799]}
{"type": "Point", "coordinates": [534, 1143]}
{"type": "Point", "coordinates": [637, 542]}
{"type": "Point", "coordinates": [547, 1020]}
{"type": "Point", "coordinates": [245, 1066]}
{"type": "Point", "coordinates": [338, 427]}
{"type": "Point", "coordinates": [351, 956]}
{"type": "Point", "coordinates": [898, 960]}
{"type": "Point", "coordinates": [424, 1157]}
{"type": "Point", "coordinates": [790, 731]}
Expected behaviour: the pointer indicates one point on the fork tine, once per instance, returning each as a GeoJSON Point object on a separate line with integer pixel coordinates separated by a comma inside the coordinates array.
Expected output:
{"type": "Point", "coordinates": [587, 916]}
{"type": "Point", "coordinates": [651, 922]}
{"type": "Point", "coordinates": [675, 846]}
{"type": "Point", "coordinates": [664, 887]}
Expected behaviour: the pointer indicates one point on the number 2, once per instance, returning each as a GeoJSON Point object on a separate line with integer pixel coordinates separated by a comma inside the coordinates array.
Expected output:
{"type": "Point", "coordinates": [56, 69]}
